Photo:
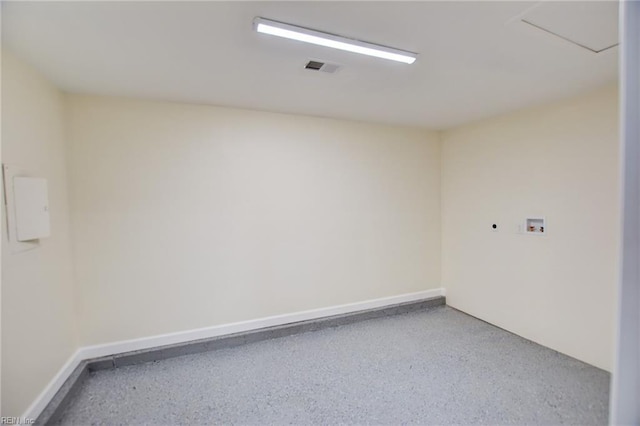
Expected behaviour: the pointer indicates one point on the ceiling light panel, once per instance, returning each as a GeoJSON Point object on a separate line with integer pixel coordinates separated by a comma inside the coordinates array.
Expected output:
{"type": "Point", "coordinates": [279, 29]}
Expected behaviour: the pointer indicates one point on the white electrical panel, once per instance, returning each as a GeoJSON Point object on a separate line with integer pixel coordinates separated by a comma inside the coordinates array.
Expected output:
{"type": "Point", "coordinates": [31, 208]}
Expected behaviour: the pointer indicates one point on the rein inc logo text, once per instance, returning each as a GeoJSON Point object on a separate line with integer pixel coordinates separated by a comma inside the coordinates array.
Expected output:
{"type": "Point", "coordinates": [16, 421]}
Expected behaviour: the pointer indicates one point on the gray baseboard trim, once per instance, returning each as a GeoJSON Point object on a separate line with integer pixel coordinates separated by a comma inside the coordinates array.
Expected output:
{"type": "Point", "coordinates": [52, 414]}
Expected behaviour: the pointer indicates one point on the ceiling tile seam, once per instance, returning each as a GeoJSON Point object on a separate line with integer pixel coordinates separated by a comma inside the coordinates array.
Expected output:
{"type": "Point", "coordinates": [567, 39]}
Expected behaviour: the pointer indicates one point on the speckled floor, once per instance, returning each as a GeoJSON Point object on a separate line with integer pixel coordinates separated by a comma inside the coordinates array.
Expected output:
{"type": "Point", "coordinates": [438, 366]}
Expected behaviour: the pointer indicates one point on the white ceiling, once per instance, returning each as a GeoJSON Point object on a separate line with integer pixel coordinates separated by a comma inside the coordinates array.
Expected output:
{"type": "Point", "coordinates": [476, 58]}
{"type": "Point", "coordinates": [576, 21]}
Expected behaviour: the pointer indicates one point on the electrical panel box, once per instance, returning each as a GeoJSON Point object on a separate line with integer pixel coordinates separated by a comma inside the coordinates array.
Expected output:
{"type": "Point", "coordinates": [31, 208]}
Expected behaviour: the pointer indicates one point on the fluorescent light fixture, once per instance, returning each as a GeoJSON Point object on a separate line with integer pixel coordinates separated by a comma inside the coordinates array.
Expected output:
{"type": "Point", "coordinates": [306, 35]}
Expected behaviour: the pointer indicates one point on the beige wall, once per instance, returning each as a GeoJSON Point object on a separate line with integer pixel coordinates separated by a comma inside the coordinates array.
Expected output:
{"type": "Point", "coordinates": [560, 161]}
{"type": "Point", "coordinates": [38, 323]}
{"type": "Point", "coordinates": [190, 216]}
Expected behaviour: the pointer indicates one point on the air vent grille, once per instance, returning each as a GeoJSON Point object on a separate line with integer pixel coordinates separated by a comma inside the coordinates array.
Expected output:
{"type": "Point", "coordinates": [321, 66]}
{"type": "Point", "coordinates": [314, 65]}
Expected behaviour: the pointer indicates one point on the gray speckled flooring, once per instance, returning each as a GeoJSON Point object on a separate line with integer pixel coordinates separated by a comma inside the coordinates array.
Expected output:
{"type": "Point", "coordinates": [438, 366]}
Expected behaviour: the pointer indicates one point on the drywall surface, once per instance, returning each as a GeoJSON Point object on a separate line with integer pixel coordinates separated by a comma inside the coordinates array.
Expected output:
{"type": "Point", "coordinates": [189, 216]}
{"type": "Point", "coordinates": [38, 317]}
{"type": "Point", "coordinates": [561, 162]}
{"type": "Point", "coordinates": [625, 383]}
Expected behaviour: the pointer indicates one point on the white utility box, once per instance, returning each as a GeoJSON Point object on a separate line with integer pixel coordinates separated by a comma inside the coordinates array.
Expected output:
{"type": "Point", "coordinates": [31, 200]}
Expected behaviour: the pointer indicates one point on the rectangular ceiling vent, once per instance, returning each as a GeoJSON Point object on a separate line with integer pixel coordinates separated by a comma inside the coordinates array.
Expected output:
{"type": "Point", "coordinates": [321, 66]}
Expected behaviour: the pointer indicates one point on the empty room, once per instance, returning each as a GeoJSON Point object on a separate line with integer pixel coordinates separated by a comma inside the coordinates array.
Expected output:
{"type": "Point", "coordinates": [320, 213]}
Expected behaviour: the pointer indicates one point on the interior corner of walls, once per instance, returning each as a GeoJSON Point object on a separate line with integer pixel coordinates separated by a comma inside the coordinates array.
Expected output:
{"type": "Point", "coordinates": [86, 353]}
{"type": "Point", "coordinates": [501, 276]}
{"type": "Point", "coordinates": [57, 381]}
{"type": "Point", "coordinates": [37, 145]}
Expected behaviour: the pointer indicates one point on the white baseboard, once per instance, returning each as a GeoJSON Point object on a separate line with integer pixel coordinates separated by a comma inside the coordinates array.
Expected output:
{"type": "Point", "coordinates": [54, 385]}
{"type": "Point", "coordinates": [237, 327]}
{"type": "Point", "coordinates": [107, 349]}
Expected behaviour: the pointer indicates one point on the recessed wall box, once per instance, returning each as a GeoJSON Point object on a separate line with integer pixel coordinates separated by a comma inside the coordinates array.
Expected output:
{"type": "Point", "coordinates": [535, 225]}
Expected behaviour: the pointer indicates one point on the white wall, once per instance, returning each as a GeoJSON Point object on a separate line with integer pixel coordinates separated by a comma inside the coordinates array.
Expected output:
{"type": "Point", "coordinates": [625, 383]}
{"type": "Point", "coordinates": [38, 318]}
{"type": "Point", "coordinates": [560, 161]}
{"type": "Point", "coordinates": [190, 216]}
